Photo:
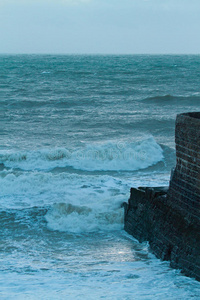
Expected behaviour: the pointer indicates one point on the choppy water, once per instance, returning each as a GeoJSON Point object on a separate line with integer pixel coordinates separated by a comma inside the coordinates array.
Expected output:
{"type": "Point", "coordinates": [76, 133]}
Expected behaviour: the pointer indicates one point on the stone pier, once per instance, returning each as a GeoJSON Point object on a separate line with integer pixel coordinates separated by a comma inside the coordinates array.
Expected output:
{"type": "Point", "coordinates": [169, 218]}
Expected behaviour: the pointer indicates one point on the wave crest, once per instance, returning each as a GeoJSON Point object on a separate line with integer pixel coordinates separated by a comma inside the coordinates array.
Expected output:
{"type": "Point", "coordinates": [120, 156]}
{"type": "Point", "coordinates": [80, 219]}
{"type": "Point", "coordinates": [172, 99]}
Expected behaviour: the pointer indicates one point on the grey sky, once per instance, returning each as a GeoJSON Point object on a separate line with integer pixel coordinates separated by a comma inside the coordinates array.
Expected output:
{"type": "Point", "coordinates": [100, 26]}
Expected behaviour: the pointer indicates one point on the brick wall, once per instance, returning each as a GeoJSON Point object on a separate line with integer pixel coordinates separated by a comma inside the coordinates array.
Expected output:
{"type": "Point", "coordinates": [170, 220]}
{"type": "Point", "coordinates": [184, 188]}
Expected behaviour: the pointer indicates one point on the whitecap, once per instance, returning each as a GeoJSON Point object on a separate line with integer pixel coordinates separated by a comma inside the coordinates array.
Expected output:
{"type": "Point", "coordinates": [110, 156]}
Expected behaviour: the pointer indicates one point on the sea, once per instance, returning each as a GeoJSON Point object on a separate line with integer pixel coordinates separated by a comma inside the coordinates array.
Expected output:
{"type": "Point", "coordinates": [77, 132]}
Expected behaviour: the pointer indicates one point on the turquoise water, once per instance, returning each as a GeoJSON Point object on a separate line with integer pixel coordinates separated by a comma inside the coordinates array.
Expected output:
{"type": "Point", "coordinates": [76, 133]}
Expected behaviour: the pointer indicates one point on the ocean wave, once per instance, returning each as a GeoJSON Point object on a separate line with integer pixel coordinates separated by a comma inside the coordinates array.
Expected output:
{"type": "Point", "coordinates": [79, 219]}
{"type": "Point", "coordinates": [111, 156]}
{"type": "Point", "coordinates": [23, 104]}
{"type": "Point", "coordinates": [165, 99]}
{"type": "Point", "coordinates": [92, 216]}
{"type": "Point", "coordinates": [68, 202]}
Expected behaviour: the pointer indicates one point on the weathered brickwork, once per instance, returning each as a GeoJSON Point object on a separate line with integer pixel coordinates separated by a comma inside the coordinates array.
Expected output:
{"type": "Point", "coordinates": [170, 219]}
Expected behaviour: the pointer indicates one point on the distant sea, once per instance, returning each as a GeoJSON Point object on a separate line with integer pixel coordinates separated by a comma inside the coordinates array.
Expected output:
{"type": "Point", "coordinates": [76, 133]}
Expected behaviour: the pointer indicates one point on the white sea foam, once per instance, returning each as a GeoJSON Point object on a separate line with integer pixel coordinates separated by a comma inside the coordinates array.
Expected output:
{"type": "Point", "coordinates": [111, 267]}
{"type": "Point", "coordinates": [78, 219]}
{"type": "Point", "coordinates": [79, 203]}
{"type": "Point", "coordinates": [76, 203]}
{"type": "Point", "coordinates": [100, 157]}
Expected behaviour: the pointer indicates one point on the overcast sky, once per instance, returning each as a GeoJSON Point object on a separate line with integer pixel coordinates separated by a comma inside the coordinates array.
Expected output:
{"type": "Point", "coordinates": [100, 26]}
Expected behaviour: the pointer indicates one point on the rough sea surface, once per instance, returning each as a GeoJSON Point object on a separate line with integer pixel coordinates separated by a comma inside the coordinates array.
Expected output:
{"type": "Point", "coordinates": [76, 133]}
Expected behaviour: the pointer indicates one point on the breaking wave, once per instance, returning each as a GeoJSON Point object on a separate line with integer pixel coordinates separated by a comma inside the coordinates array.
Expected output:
{"type": "Point", "coordinates": [120, 156]}
{"type": "Point", "coordinates": [78, 219]}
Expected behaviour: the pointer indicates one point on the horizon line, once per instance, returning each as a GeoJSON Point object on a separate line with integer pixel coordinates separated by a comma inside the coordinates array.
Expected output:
{"type": "Point", "coordinates": [100, 54]}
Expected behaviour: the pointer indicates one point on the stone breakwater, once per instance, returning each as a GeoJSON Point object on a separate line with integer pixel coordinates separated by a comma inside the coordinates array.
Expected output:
{"type": "Point", "coordinates": [169, 218]}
